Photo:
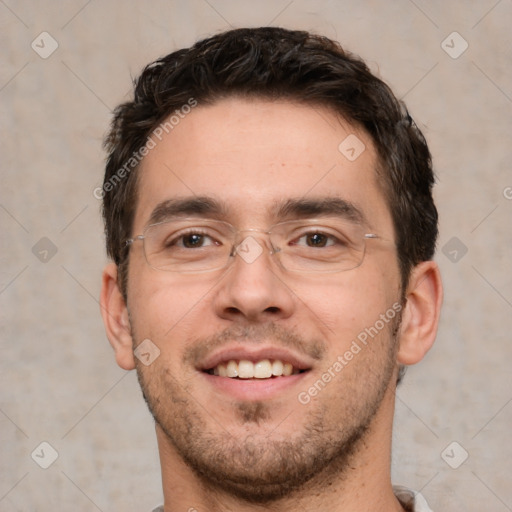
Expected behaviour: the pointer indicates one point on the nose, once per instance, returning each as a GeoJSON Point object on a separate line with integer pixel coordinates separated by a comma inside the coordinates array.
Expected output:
{"type": "Point", "coordinates": [253, 288]}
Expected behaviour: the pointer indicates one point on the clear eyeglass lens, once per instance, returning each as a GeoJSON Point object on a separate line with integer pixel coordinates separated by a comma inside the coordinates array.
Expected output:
{"type": "Point", "coordinates": [330, 245]}
{"type": "Point", "coordinates": [182, 246]}
{"type": "Point", "coordinates": [326, 246]}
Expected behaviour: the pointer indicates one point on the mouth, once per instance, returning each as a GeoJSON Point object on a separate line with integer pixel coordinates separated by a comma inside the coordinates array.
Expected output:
{"type": "Point", "coordinates": [246, 372]}
{"type": "Point", "coordinates": [262, 369]}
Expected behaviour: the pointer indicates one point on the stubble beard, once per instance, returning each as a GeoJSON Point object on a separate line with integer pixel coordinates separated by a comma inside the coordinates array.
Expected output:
{"type": "Point", "coordinates": [264, 468]}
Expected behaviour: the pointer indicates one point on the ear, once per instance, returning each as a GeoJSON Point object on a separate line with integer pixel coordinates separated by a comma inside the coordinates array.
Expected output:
{"type": "Point", "coordinates": [115, 318]}
{"type": "Point", "coordinates": [421, 313]}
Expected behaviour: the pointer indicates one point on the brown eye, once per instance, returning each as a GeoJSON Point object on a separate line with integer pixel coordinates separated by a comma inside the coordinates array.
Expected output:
{"type": "Point", "coordinates": [317, 240]}
{"type": "Point", "coordinates": [193, 240]}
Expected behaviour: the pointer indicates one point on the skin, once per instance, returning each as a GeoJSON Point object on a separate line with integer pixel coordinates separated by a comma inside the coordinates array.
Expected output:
{"type": "Point", "coordinates": [216, 448]}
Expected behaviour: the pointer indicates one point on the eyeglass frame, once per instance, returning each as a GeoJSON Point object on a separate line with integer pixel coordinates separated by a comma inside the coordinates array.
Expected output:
{"type": "Point", "coordinates": [234, 249]}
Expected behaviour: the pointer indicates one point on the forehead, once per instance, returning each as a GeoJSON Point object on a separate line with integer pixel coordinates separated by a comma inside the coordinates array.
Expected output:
{"type": "Point", "coordinates": [249, 155]}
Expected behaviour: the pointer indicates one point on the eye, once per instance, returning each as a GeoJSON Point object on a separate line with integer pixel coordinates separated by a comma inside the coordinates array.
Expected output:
{"type": "Point", "coordinates": [315, 239]}
{"type": "Point", "coordinates": [191, 240]}
{"type": "Point", "coordinates": [195, 240]}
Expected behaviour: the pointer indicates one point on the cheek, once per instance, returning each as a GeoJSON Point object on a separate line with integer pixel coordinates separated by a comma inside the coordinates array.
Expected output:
{"type": "Point", "coordinates": [347, 304]}
{"type": "Point", "coordinates": [166, 309]}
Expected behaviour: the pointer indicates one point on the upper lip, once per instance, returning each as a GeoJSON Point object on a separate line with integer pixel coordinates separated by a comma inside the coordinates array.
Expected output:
{"type": "Point", "coordinates": [254, 354]}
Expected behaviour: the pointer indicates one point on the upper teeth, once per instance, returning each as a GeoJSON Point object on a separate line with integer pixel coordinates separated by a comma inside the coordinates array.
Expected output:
{"type": "Point", "coordinates": [245, 369]}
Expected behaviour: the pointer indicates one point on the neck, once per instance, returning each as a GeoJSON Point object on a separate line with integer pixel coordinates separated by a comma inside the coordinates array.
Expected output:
{"type": "Point", "coordinates": [362, 485]}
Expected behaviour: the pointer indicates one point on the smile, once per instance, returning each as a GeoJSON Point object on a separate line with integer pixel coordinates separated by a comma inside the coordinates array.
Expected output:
{"type": "Point", "coordinates": [245, 371]}
{"type": "Point", "coordinates": [262, 369]}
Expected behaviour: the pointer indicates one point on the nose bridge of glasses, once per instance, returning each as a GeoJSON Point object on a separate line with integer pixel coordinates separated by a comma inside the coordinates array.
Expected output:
{"type": "Point", "coordinates": [250, 243]}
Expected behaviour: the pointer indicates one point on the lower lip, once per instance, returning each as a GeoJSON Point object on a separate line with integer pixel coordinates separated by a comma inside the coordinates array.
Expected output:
{"type": "Point", "coordinates": [253, 389]}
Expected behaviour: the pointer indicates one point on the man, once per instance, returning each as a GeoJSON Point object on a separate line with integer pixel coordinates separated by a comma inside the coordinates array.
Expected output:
{"type": "Point", "coordinates": [268, 210]}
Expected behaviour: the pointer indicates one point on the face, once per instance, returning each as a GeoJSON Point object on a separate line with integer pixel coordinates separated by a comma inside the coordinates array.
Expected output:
{"type": "Point", "coordinates": [254, 164]}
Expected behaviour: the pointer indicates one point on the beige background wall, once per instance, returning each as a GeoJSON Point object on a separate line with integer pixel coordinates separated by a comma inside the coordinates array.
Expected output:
{"type": "Point", "coordinates": [58, 379]}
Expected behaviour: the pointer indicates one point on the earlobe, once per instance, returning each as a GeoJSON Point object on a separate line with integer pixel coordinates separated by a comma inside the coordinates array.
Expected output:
{"type": "Point", "coordinates": [115, 318]}
{"type": "Point", "coordinates": [421, 313]}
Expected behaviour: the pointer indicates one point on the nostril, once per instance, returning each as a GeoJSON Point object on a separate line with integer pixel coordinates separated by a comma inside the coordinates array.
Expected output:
{"type": "Point", "coordinates": [272, 309]}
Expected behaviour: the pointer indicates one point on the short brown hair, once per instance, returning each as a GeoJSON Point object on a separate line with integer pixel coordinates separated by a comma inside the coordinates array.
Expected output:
{"type": "Point", "coordinates": [275, 63]}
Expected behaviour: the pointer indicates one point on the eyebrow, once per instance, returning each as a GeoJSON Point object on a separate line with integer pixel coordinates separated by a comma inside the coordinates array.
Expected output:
{"type": "Point", "coordinates": [186, 206]}
{"type": "Point", "coordinates": [302, 208]}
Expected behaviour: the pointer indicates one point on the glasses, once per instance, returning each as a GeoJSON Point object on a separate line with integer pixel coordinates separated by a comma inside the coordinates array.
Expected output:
{"type": "Point", "coordinates": [191, 245]}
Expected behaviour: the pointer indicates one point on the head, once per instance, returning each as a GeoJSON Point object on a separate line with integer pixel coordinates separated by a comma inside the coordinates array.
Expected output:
{"type": "Point", "coordinates": [260, 115]}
